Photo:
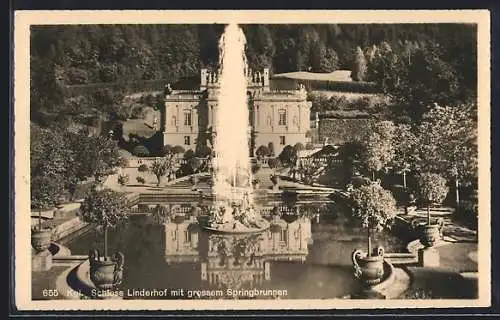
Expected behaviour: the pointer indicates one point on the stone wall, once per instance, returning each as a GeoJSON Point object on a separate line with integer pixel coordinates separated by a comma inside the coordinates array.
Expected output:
{"type": "Point", "coordinates": [68, 227]}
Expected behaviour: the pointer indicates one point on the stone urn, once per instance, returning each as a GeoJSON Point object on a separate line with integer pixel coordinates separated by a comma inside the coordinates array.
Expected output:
{"type": "Point", "coordinates": [41, 238]}
{"type": "Point", "coordinates": [368, 269]}
{"type": "Point", "coordinates": [106, 273]}
{"type": "Point", "coordinates": [255, 184]}
{"type": "Point", "coordinates": [430, 234]}
{"type": "Point", "coordinates": [194, 180]}
{"type": "Point", "coordinates": [210, 182]}
{"type": "Point", "coordinates": [275, 179]}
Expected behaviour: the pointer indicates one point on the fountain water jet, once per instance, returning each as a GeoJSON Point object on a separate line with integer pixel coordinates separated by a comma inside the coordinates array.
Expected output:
{"type": "Point", "coordinates": [234, 210]}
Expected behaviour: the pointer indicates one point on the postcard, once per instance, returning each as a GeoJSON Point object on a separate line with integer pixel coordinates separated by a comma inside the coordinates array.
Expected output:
{"type": "Point", "coordinates": [251, 160]}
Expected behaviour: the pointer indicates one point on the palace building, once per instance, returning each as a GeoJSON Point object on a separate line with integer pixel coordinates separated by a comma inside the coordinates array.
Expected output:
{"type": "Point", "coordinates": [277, 117]}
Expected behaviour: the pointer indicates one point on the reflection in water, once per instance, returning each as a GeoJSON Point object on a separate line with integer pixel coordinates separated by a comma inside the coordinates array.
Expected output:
{"type": "Point", "coordinates": [165, 248]}
{"type": "Point", "coordinates": [235, 261]}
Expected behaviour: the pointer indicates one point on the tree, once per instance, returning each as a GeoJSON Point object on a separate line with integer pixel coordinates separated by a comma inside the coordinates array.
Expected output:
{"type": "Point", "coordinates": [374, 206]}
{"type": "Point", "coordinates": [140, 151]}
{"type": "Point", "coordinates": [260, 46]}
{"type": "Point", "coordinates": [178, 149]}
{"type": "Point", "coordinates": [123, 179]}
{"type": "Point", "coordinates": [140, 179]}
{"type": "Point", "coordinates": [323, 59]}
{"type": "Point", "coordinates": [105, 208]}
{"type": "Point", "coordinates": [255, 168]}
{"type": "Point", "coordinates": [377, 146]}
{"type": "Point", "coordinates": [330, 61]}
{"type": "Point", "coordinates": [50, 159]}
{"type": "Point", "coordinates": [159, 169]}
{"type": "Point", "coordinates": [298, 146]}
{"type": "Point", "coordinates": [274, 163]}
{"type": "Point", "coordinates": [99, 157]}
{"type": "Point", "coordinates": [432, 189]}
{"type": "Point", "coordinates": [203, 151]}
{"type": "Point", "coordinates": [261, 152]}
{"type": "Point", "coordinates": [160, 213]}
{"type": "Point", "coordinates": [360, 65]}
{"type": "Point", "coordinates": [189, 154]}
{"type": "Point", "coordinates": [167, 149]}
{"type": "Point", "coordinates": [111, 103]}
{"type": "Point", "coordinates": [448, 144]}
{"type": "Point", "coordinates": [416, 77]}
{"type": "Point", "coordinates": [195, 164]}
{"type": "Point", "coordinates": [143, 168]}
{"type": "Point", "coordinates": [44, 192]}
{"type": "Point", "coordinates": [309, 170]}
{"type": "Point", "coordinates": [405, 150]}
{"type": "Point", "coordinates": [288, 155]}
{"type": "Point", "coordinates": [164, 166]}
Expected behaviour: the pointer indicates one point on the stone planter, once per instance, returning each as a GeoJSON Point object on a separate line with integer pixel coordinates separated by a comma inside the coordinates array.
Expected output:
{"type": "Point", "coordinates": [40, 239]}
{"type": "Point", "coordinates": [369, 270]}
{"type": "Point", "coordinates": [430, 234]}
{"type": "Point", "coordinates": [106, 274]}
{"type": "Point", "coordinates": [255, 184]}
{"type": "Point", "coordinates": [275, 179]}
{"type": "Point", "coordinates": [102, 274]}
{"type": "Point", "coordinates": [194, 180]}
{"type": "Point", "coordinates": [210, 182]}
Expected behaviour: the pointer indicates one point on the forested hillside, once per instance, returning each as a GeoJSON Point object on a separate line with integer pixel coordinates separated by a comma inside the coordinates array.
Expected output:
{"type": "Point", "coordinates": [398, 57]}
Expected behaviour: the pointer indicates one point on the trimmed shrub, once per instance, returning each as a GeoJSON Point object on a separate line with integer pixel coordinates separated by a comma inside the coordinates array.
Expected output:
{"type": "Point", "coordinates": [140, 179]}
{"type": "Point", "coordinates": [203, 151]}
{"type": "Point", "coordinates": [262, 151]}
{"type": "Point", "coordinates": [288, 155]}
{"type": "Point", "coordinates": [274, 163]}
{"type": "Point", "coordinates": [178, 149]}
{"type": "Point", "coordinates": [255, 168]}
{"type": "Point", "coordinates": [189, 154]}
{"type": "Point", "coordinates": [123, 179]}
{"type": "Point", "coordinates": [298, 146]}
{"type": "Point", "coordinates": [167, 149]}
{"type": "Point", "coordinates": [140, 151]}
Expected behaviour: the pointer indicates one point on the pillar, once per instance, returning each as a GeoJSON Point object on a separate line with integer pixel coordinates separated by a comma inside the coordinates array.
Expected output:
{"type": "Point", "coordinates": [428, 257]}
{"type": "Point", "coordinates": [203, 77]}
{"type": "Point", "coordinates": [266, 77]}
{"type": "Point", "coordinates": [41, 261]}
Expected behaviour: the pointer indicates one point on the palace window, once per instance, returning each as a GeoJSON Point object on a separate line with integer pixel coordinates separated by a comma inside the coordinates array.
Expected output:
{"type": "Point", "coordinates": [187, 236]}
{"type": "Point", "coordinates": [187, 118]}
{"type": "Point", "coordinates": [257, 115]}
{"type": "Point", "coordinates": [282, 140]}
{"type": "Point", "coordinates": [283, 235]}
{"type": "Point", "coordinates": [187, 140]}
{"type": "Point", "coordinates": [174, 121]}
{"type": "Point", "coordinates": [282, 117]}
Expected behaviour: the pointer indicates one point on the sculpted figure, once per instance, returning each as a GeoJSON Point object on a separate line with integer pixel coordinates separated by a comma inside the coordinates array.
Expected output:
{"type": "Point", "coordinates": [119, 259]}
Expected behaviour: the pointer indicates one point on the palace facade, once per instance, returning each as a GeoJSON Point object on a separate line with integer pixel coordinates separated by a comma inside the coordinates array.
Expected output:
{"type": "Point", "coordinates": [277, 117]}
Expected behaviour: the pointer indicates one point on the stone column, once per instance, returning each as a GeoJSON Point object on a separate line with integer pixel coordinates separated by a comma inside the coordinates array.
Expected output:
{"type": "Point", "coordinates": [41, 261]}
